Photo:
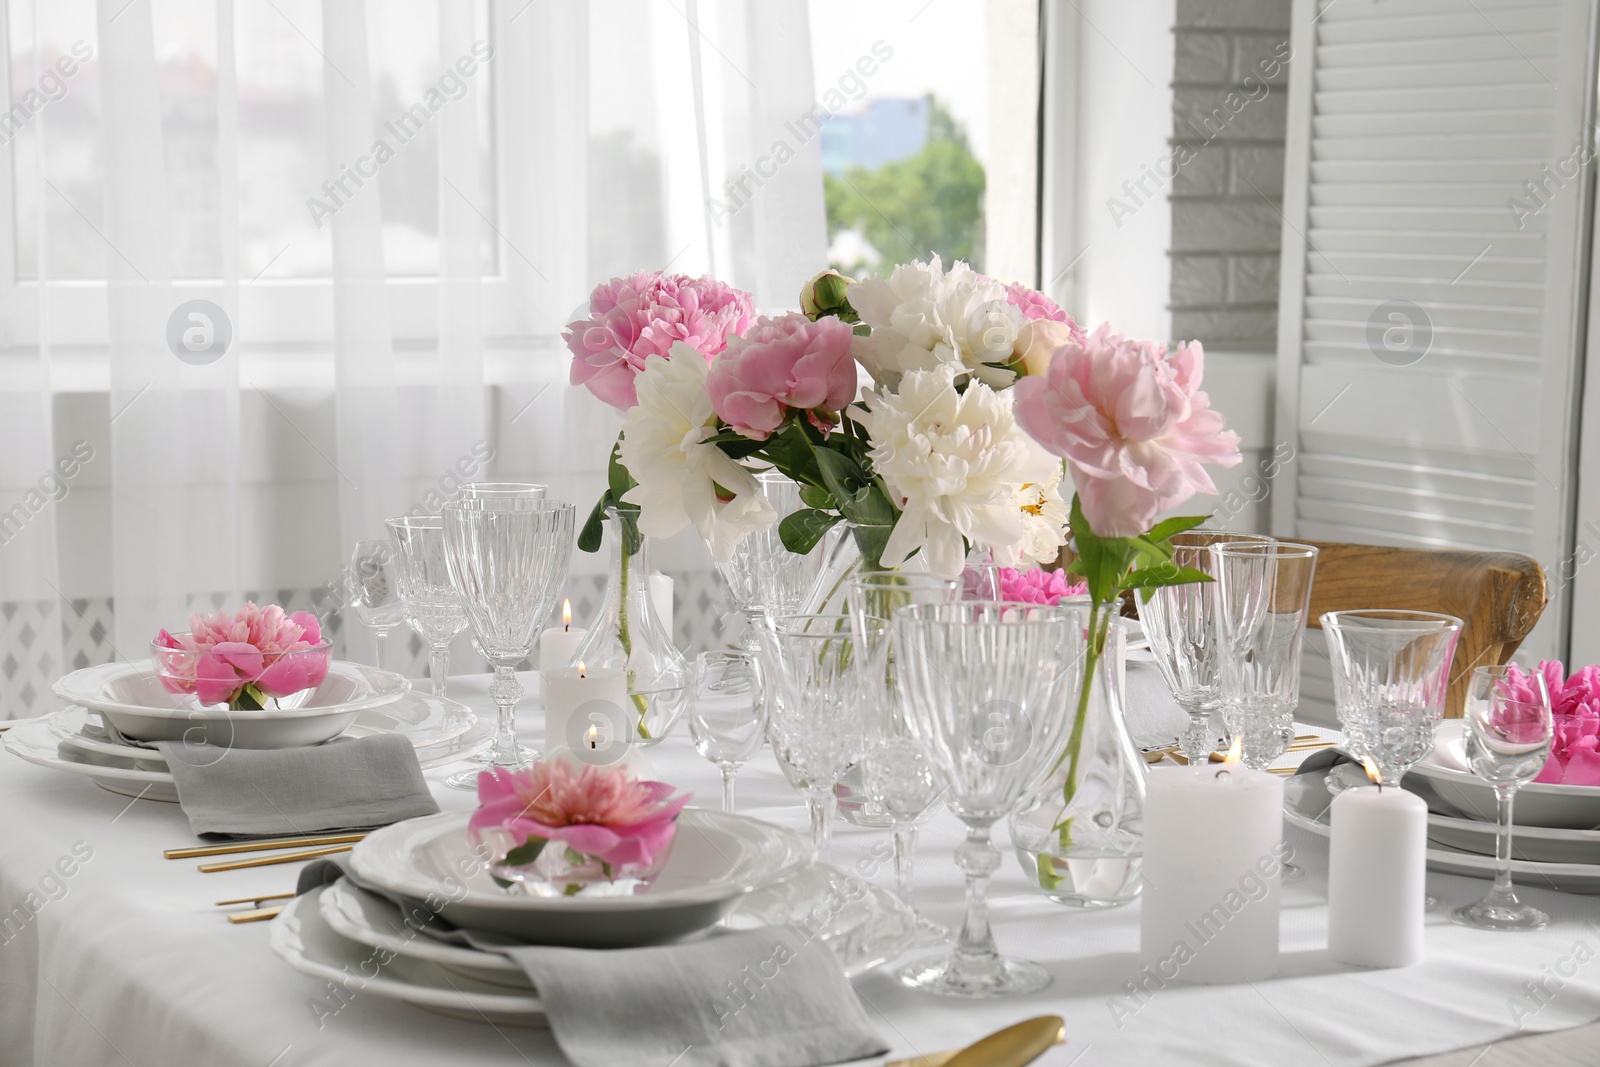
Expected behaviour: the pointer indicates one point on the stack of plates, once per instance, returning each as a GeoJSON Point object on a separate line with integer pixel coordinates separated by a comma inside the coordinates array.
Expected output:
{"type": "Point", "coordinates": [745, 872]}
{"type": "Point", "coordinates": [82, 741]}
{"type": "Point", "coordinates": [1557, 840]}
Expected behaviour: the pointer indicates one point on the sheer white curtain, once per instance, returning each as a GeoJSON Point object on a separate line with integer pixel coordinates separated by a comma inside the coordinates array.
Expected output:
{"type": "Point", "coordinates": [395, 321]}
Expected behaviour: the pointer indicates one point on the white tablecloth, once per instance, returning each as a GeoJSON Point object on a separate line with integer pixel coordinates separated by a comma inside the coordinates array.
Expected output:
{"type": "Point", "coordinates": [127, 961]}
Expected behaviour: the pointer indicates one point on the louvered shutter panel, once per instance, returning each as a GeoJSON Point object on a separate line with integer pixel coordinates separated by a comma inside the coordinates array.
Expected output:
{"type": "Point", "coordinates": [1411, 230]}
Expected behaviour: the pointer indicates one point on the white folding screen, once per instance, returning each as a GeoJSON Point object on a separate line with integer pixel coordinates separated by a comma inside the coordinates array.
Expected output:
{"type": "Point", "coordinates": [1436, 219]}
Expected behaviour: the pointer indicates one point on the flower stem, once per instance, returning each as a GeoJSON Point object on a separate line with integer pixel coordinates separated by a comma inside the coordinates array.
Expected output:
{"type": "Point", "coordinates": [1100, 616]}
{"type": "Point", "coordinates": [624, 637]}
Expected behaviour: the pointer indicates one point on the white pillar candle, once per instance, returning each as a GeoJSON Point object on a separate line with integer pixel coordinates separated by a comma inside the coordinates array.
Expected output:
{"type": "Point", "coordinates": [1213, 849]}
{"type": "Point", "coordinates": [661, 596]}
{"type": "Point", "coordinates": [585, 711]}
{"type": "Point", "coordinates": [557, 646]}
{"type": "Point", "coordinates": [1377, 875]}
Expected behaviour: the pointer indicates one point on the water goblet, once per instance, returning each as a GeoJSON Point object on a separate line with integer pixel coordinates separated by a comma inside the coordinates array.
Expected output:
{"type": "Point", "coordinates": [727, 711]}
{"type": "Point", "coordinates": [507, 565]}
{"type": "Point", "coordinates": [1263, 596]}
{"type": "Point", "coordinates": [1391, 670]}
{"type": "Point", "coordinates": [374, 591]}
{"type": "Point", "coordinates": [816, 723]}
{"type": "Point", "coordinates": [1509, 733]}
{"type": "Point", "coordinates": [988, 691]}
{"type": "Point", "coordinates": [1181, 623]}
{"type": "Point", "coordinates": [763, 577]}
{"type": "Point", "coordinates": [433, 609]}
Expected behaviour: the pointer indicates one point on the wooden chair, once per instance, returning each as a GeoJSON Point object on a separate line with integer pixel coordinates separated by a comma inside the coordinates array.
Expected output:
{"type": "Point", "coordinates": [1498, 596]}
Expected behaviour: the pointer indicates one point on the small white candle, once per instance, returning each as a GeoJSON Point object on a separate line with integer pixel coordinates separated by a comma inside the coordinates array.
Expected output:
{"type": "Point", "coordinates": [632, 758]}
{"type": "Point", "coordinates": [1377, 876]}
{"type": "Point", "coordinates": [1213, 850]}
{"type": "Point", "coordinates": [585, 708]}
{"type": "Point", "coordinates": [558, 646]}
{"type": "Point", "coordinates": [661, 597]}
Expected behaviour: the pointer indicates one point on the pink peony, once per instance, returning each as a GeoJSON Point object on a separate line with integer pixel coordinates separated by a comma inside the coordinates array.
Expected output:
{"type": "Point", "coordinates": [1133, 425]}
{"type": "Point", "coordinates": [634, 318]}
{"type": "Point", "coordinates": [596, 811]}
{"type": "Point", "coordinates": [1034, 305]}
{"type": "Point", "coordinates": [1575, 707]}
{"type": "Point", "coordinates": [222, 654]}
{"type": "Point", "coordinates": [1038, 586]}
{"type": "Point", "coordinates": [780, 366]}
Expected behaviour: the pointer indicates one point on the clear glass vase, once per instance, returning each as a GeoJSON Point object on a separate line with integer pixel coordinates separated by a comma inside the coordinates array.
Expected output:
{"type": "Point", "coordinates": [629, 635]}
{"type": "Point", "coordinates": [1079, 834]}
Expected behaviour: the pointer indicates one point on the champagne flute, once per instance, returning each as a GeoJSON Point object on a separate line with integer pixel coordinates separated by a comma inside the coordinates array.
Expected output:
{"type": "Point", "coordinates": [432, 607]}
{"type": "Point", "coordinates": [1509, 732]}
{"type": "Point", "coordinates": [374, 590]}
{"type": "Point", "coordinates": [727, 711]}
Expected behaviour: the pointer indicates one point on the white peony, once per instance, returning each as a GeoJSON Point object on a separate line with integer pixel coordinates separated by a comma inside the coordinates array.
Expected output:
{"type": "Point", "coordinates": [956, 463]}
{"type": "Point", "coordinates": [1044, 519]}
{"type": "Point", "coordinates": [923, 316]}
{"type": "Point", "coordinates": [682, 480]}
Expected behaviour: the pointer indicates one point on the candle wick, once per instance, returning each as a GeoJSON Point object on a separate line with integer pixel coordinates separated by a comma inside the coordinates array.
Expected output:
{"type": "Point", "coordinates": [1224, 775]}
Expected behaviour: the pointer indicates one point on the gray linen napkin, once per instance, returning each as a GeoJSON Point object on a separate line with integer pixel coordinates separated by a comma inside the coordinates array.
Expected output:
{"type": "Point", "coordinates": [348, 783]}
{"type": "Point", "coordinates": [773, 997]}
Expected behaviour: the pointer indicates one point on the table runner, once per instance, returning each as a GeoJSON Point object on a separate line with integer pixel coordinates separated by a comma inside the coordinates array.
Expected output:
{"type": "Point", "coordinates": [125, 960]}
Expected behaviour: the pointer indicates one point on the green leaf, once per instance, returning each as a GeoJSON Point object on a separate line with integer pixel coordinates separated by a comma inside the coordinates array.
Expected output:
{"type": "Point", "coordinates": [526, 852]}
{"type": "Point", "coordinates": [1175, 525]}
{"type": "Point", "coordinates": [594, 527]}
{"type": "Point", "coordinates": [803, 529]}
{"type": "Point", "coordinates": [617, 475]}
{"type": "Point", "coordinates": [814, 496]}
{"type": "Point", "coordinates": [1170, 574]}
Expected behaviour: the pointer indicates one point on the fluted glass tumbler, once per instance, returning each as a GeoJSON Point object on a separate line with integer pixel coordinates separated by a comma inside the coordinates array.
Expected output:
{"type": "Point", "coordinates": [764, 578]}
{"type": "Point", "coordinates": [433, 608]}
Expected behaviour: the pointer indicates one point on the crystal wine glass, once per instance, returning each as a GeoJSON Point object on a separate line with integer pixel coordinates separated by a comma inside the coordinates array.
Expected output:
{"type": "Point", "coordinates": [763, 577]}
{"type": "Point", "coordinates": [1509, 732]}
{"type": "Point", "coordinates": [727, 711]}
{"type": "Point", "coordinates": [507, 564]}
{"type": "Point", "coordinates": [432, 607]}
{"type": "Point", "coordinates": [897, 773]}
{"type": "Point", "coordinates": [1390, 673]}
{"type": "Point", "coordinates": [375, 592]}
{"type": "Point", "coordinates": [988, 691]}
{"type": "Point", "coordinates": [816, 723]}
{"type": "Point", "coordinates": [1181, 623]}
{"type": "Point", "coordinates": [1263, 597]}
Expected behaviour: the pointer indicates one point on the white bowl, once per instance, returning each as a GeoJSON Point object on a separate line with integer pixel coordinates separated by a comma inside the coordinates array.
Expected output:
{"type": "Point", "coordinates": [131, 697]}
{"type": "Point", "coordinates": [716, 858]}
{"type": "Point", "coordinates": [1567, 807]}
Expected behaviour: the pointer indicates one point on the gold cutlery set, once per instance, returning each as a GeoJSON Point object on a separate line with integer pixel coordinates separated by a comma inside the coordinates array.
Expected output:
{"type": "Point", "coordinates": [1014, 1046]}
{"type": "Point", "coordinates": [301, 848]}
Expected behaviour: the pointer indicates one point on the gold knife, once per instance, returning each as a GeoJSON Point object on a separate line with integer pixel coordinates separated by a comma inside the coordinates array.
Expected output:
{"type": "Point", "coordinates": [267, 861]}
{"type": "Point", "coordinates": [255, 916]}
{"type": "Point", "coordinates": [1012, 1047]}
{"type": "Point", "coordinates": [259, 846]}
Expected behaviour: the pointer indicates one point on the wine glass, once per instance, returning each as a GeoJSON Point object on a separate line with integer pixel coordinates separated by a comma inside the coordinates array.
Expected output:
{"type": "Point", "coordinates": [816, 722]}
{"type": "Point", "coordinates": [727, 711]}
{"type": "Point", "coordinates": [1509, 732]}
{"type": "Point", "coordinates": [375, 592]}
{"type": "Point", "coordinates": [763, 577]}
{"type": "Point", "coordinates": [1391, 670]}
{"type": "Point", "coordinates": [432, 607]}
{"type": "Point", "coordinates": [507, 564]}
{"type": "Point", "coordinates": [897, 774]}
{"type": "Point", "coordinates": [1263, 597]}
{"type": "Point", "coordinates": [988, 691]}
{"type": "Point", "coordinates": [1181, 623]}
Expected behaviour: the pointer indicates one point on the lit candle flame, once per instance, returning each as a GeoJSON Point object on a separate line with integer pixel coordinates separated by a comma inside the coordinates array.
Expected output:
{"type": "Point", "coordinates": [1235, 751]}
{"type": "Point", "coordinates": [1372, 770]}
{"type": "Point", "coordinates": [580, 668]}
{"type": "Point", "coordinates": [593, 737]}
{"type": "Point", "coordinates": [566, 614]}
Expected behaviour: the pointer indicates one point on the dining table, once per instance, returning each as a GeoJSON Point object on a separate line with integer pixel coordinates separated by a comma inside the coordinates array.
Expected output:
{"type": "Point", "coordinates": [128, 959]}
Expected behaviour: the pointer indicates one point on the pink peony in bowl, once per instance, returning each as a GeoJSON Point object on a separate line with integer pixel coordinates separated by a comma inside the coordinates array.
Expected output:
{"type": "Point", "coordinates": [246, 659]}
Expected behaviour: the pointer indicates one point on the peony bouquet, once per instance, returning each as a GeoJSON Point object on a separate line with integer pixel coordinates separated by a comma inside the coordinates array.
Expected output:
{"type": "Point", "coordinates": [1575, 706]}
{"type": "Point", "coordinates": [606, 826]}
{"type": "Point", "coordinates": [244, 659]}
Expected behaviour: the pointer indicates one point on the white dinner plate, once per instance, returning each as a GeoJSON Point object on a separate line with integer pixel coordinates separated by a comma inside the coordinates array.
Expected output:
{"type": "Point", "coordinates": [307, 943]}
{"type": "Point", "coordinates": [1305, 804]}
{"type": "Point", "coordinates": [865, 925]}
{"type": "Point", "coordinates": [427, 721]}
{"type": "Point", "coordinates": [716, 858]}
{"type": "Point", "coordinates": [132, 697]}
{"type": "Point", "coordinates": [1546, 844]}
{"type": "Point", "coordinates": [1567, 807]}
{"type": "Point", "coordinates": [32, 740]}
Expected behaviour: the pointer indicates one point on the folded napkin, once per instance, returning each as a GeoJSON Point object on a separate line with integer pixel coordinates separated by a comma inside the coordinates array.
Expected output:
{"type": "Point", "coordinates": [773, 997]}
{"type": "Point", "coordinates": [348, 783]}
